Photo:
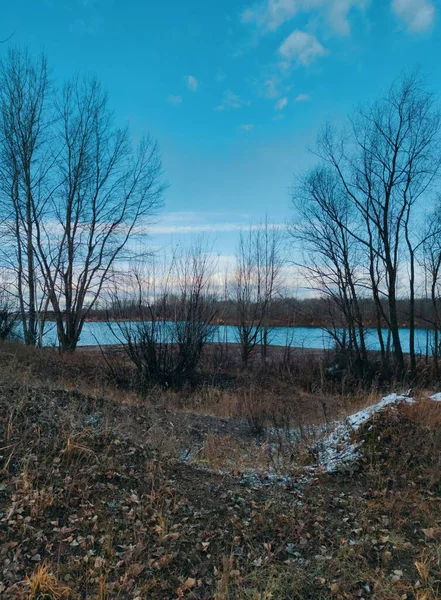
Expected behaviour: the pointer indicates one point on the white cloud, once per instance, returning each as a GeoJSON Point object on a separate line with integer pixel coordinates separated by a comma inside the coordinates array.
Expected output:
{"type": "Point", "coordinates": [278, 117]}
{"type": "Point", "coordinates": [270, 87]}
{"type": "Point", "coordinates": [201, 222]}
{"type": "Point", "coordinates": [174, 99]}
{"type": "Point", "coordinates": [302, 47]}
{"type": "Point", "coordinates": [230, 100]}
{"type": "Point", "coordinates": [269, 15]}
{"type": "Point", "coordinates": [247, 127]}
{"type": "Point", "coordinates": [303, 98]}
{"type": "Point", "coordinates": [203, 228]}
{"type": "Point", "coordinates": [192, 83]}
{"type": "Point", "coordinates": [281, 104]}
{"type": "Point", "coordinates": [274, 81]}
{"type": "Point", "coordinates": [338, 11]}
{"type": "Point", "coordinates": [417, 14]}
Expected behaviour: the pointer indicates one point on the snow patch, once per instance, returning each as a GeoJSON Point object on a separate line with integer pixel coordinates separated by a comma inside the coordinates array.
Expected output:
{"type": "Point", "coordinates": [366, 413]}
{"type": "Point", "coordinates": [336, 450]}
{"type": "Point", "coordinates": [436, 397]}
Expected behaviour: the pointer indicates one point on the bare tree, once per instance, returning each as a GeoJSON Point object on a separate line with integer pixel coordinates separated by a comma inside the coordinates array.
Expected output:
{"type": "Point", "coordinates": [386, 165]}
{"type": "Point", "coordinates": [332, 261]}
{"type": "Point", "coordinates": [74, 194]}
{"type": "Point", "coordinates": [256, 280]}
{"type": "Point", "coordinates": [24, 121]}
{"type": "Point", "coordinates": [431, 263]}
{"type": "Point", "coordinates": [102, 194]}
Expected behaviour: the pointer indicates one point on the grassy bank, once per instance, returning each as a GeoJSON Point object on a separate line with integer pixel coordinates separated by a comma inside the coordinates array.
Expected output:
{"type": "Point", "coordinates": [205, 494]}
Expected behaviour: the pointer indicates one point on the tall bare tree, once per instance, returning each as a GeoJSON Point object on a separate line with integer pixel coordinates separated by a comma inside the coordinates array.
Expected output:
{"type": "Point", "coordinates": [332, 260]}
{"type": "Point", "coordinates": [431, 263]}
{"type": "Point", "coordinates": [75, 193]}
{"type": "Point", "coordinates": [103, 193]}
{"type": "Point", "coordinates": [387, 164]}
{"type": "Point", "coordinates": [24, 164]}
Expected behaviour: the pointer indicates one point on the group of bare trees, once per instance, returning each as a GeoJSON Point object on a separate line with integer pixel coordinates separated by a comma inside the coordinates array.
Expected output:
{"type": "Point", "coordinates": [177, 310]}
{"type": "Point", "coordinates": [73, 193]}
{"type": "Point", "coordinates": [360, 216]}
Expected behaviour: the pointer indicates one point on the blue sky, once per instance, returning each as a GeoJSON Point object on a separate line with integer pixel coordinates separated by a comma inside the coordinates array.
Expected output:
{"type": "Point", "coordinates": [234, 91]}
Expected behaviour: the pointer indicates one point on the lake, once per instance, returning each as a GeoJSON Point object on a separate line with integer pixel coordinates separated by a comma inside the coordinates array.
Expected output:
{"type": "Point", "coordinates": [297, 337]}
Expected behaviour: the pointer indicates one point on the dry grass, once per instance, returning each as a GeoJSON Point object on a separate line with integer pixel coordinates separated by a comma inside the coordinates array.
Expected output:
{"type": "Point", "coordinates": [43, 585]}
{"type": "Point", "coordinates": [95, 502]}
{"type": "Point", "coordinates": [83, 371]}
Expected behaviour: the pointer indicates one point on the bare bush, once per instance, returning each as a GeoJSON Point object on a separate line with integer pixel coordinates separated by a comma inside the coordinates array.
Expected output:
{"type": "Point", "coordinates": [175, 324]}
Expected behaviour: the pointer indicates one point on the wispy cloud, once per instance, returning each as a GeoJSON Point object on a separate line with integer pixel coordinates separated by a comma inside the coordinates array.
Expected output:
{"type": "Point", "coordinates": [174, 99]}
{"type": "Point", "coordinates": [269, 15]}
{"type": "Point", "coordinates": [418, 15]}
{"type": "Point", "coordinates": [303, 98]}
{"type": "Point", "coordinates": [89, 16]}
{"type": "Point", "coordinates": [301, 47]}
{"type": "Point", "coordinates": [247, 127]}
{"type": "Point", "coordinates": [188, 222]}
{"type": "Point", "coordinates": [230, 100]}
{"type": "Point", "coordinates": [206, 228]}
{"type": "Point", "coordinates": [338, 14]}
{"type": "Point", "coordinates": [281, 104]}
{"type": "Point", "coordinates": [271, 87]}
{"type": "Point", "coordinates": [192, 83]}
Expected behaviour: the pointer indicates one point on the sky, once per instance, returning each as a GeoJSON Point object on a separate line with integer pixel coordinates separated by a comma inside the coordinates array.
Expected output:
{"type": "Point", "coordinates": [234, 91]}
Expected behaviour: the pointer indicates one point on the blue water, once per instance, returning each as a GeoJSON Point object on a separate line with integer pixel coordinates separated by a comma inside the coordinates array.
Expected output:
{"type": "Point", "coordinates": [296, 337]}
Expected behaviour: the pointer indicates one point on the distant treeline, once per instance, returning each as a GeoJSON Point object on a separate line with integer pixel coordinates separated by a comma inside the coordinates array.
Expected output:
{"type": "Point", "coordinates": [283, 312]}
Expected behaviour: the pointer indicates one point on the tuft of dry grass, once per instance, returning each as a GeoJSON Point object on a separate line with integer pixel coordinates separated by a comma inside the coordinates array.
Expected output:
{"type": "Point", "coordinates": [43, 585]}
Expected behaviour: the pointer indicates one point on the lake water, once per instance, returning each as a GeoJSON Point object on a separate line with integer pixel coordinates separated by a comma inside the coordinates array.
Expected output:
{"type": "Point", "coordinates": [296, 337]}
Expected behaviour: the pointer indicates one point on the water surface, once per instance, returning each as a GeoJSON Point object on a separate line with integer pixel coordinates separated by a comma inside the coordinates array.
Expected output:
{"type": "Point", "coordinates": [310, 338]}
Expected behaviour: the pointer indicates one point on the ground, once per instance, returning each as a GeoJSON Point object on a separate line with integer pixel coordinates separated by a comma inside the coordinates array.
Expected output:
{"type": "Point", "coordinates": [105, 496]}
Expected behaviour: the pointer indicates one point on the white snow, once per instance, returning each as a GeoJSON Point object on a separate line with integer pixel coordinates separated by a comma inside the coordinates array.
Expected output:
{"type": "Point", "coordinates": [355, 421]}
{"type": "Point", "coordinates": [336, 450]}
{"type": "Point", "coordinates": [436, 397]}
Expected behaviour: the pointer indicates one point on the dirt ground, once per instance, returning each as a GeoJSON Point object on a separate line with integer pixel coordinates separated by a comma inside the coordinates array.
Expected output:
{"type": "Point", "coordinates": [108, 498]}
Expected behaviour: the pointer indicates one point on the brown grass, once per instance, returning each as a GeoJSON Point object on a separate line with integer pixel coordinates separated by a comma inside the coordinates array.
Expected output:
{"type": "Point", "coordinates": [43, 585]}
{"type": "Point", "coordinates": [96, 503]}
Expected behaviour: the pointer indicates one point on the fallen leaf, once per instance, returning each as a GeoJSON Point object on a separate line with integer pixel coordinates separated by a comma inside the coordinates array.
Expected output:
{"type": "Point", "coordinates": [431, 533]}
{"type": "Point", "coordinates": [189, 583]}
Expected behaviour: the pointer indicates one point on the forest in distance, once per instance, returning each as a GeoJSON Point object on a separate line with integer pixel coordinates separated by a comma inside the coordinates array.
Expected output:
{"type": "Point", "coordinates": [77, 197]}
{"type": "Point", "coordinates": [287, 311]}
